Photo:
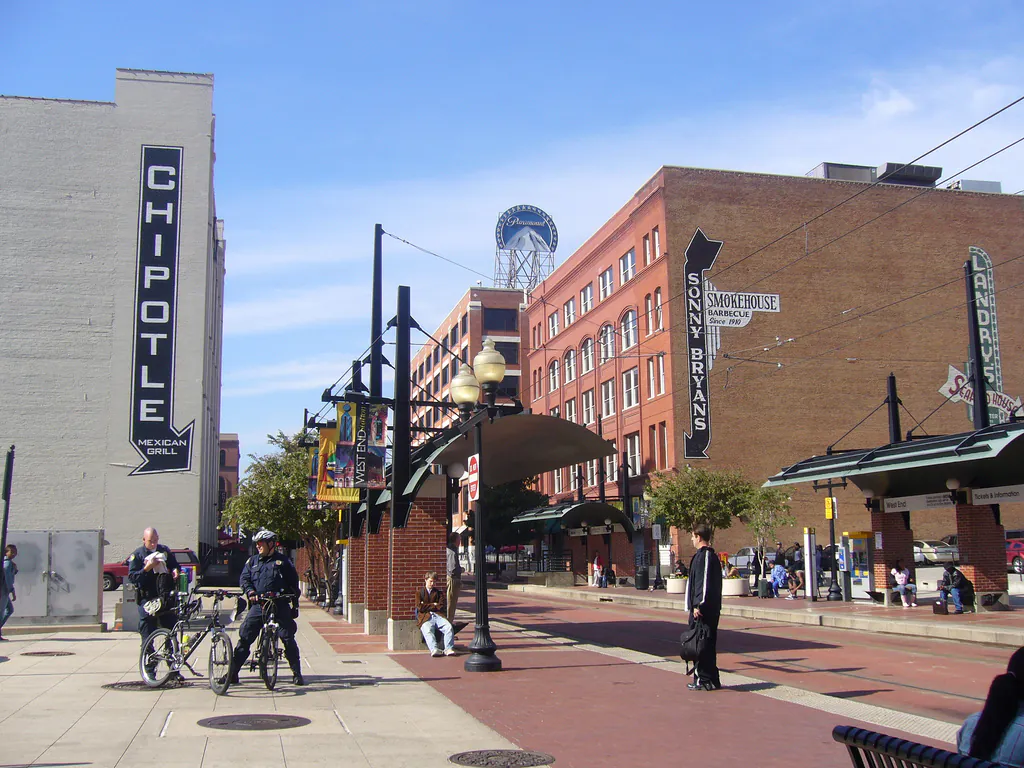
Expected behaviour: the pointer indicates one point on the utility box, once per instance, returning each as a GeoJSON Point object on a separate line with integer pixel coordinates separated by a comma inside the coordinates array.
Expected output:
{"type": "Point", "coordinates": [129, 608]}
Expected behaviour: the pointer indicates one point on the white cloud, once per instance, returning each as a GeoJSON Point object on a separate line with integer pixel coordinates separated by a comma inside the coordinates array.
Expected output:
{"type": "Point", "coordinates": [296, 308]}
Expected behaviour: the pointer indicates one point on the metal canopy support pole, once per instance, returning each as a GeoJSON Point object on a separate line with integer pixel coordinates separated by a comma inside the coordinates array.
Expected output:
{"type": "Point", "coordinates": [482, 656]}
{"type": "Point", "coordinates": [894, 410]}
{"type": "Point", "coordinates": [401, 437]}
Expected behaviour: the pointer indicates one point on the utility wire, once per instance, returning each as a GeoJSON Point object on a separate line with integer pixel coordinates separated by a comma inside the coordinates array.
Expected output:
{"type": "Point", "coordinates": [437, 255]}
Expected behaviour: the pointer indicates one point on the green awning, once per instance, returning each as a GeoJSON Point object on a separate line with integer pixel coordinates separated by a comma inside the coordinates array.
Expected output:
{"type": "Point", "coordinates": [574, 514]}
{"type": "Point", "coordinates": [989, 457]}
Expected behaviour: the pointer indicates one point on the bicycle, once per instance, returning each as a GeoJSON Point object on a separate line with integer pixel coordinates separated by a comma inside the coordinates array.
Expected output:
{"type": "Point", "coordinates": [268, 652]}
{"type": "Point", "coordinates": [167, 651]}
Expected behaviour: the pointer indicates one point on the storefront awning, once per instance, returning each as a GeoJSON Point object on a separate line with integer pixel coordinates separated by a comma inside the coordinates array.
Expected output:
{"type": "Point", "coordinates": [575, 514]}
{"type": "Point", "coordinates": [989, 457]}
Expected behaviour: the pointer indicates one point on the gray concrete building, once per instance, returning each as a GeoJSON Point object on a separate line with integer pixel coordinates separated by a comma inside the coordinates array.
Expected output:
{"type": "Point", "coordinates": [111, 310]}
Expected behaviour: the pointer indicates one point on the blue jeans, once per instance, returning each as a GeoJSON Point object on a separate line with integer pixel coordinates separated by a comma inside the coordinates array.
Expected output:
{"type": "Point", "coordinates": [436, 620]}
{"type": "Point", "coordinates": [5, 612]}
{"type": "Point", "coordinates": [943, 596]}
{"type": "Point", "coordinates": [904, 588]}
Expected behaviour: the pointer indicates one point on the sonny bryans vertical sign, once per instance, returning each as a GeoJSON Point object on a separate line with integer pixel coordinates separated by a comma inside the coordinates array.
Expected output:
{"type": "Point", "coordinates": [162, 447]}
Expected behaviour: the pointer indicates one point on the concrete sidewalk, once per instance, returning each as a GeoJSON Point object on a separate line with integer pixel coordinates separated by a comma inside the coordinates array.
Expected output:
{"type": "Point", "coordinates": [365, 710]}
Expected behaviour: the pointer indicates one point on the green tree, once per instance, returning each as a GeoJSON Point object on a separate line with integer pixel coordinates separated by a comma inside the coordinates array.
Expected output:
{"type": "Point", "coordinates": [273, 495]}
{"type": "Point", "coordinates": [684, 498]}
{"type": "Point", "coordinates": [768, 511]}
{"type": "Point", "coordinates": [502, 503]}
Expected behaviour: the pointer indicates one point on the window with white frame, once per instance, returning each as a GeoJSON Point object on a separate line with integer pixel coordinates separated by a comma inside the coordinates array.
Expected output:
{"type": "Point", "coordinates": [552, 325]}
{"type": "Point", "coordinates": [627, 266]}
{"type": "Point", "coordinates": [647, 250]}
{"type": "Point", "coordinates": [588, 407]}
{"type": "Point", "coordinates": [587, 356]}
{"type": "Point", "coordinates": [630, 388]}
{"type": "Point", "coordinates": [661, 374]}
{"type": "Point", "coordinates": [652, 377]}
{"type": "Point", "coordinates": [633, 453]}
{"type": "Point", "coordinates": [553, 412]}
{"type": "Point", "coordinates": [556, 478]}
{"type": "Point", "coordinates": [574, 477]}
{"type": "Point", "coordinates": [648, 315]}
{"type": "Point", "coordinates": [652, 446]}
{"type": "Point", "coordinates": [569, 310]}
{"type": "Point", "coordinates": [570, 410]}
{"type": "Point", "coordinates": [538, 390]}
{"type": "Point", "coordinates": [607, 342]}
{"type": "Point", "coordinates": [663, 441]}
{"type": "Point", "coordinates": [553, 379]}
{"type": "Point", "coordinates": [656, 239]}
{"type": "Point", "coordinates": [628, 329]}
{"type": "Point", "coordinates": [608, 398]}
{"type": "Point", "coordinates": [591, 472]}
{"type": "Point", "coordinates": [657, 309]}
{"type": "Point", "coordinates": [606, 283]}
{"type": "Point", "coordinates": [586, 298]}
{"type": "Point", "coordinates": [611, 466]}
{"type": "Point", "coordinates": [570, 366]}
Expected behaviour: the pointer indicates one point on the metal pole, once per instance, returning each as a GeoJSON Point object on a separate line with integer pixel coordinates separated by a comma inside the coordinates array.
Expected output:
{"type": "Point", "coordinates": [401, 437]}
{"type": "Point", "coordinates": [894, 410]}
{"type": "Point", "coordinates": [8, 479]}
{"type": "Point", "coordinates": [979, 410]}
{"type": "Point", "coordinates": [482, 656]}
{"type": "Point", "coordinates": [835, 592]}
{"type": "Point", "coordinates": [376, 318]}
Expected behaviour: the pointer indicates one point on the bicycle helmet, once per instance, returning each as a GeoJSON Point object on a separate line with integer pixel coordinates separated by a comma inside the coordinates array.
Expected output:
{"type": "Point", "coordinates": [265, 535]}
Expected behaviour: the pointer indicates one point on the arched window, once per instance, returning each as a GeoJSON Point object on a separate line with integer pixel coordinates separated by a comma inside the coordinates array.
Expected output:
{"type": "Point", "coordinates": [628, 329]}
{"type": "Point", "coordinates": [569, 364]}
{"type": "Point", "coordinates": [658, 324]}
{"type": "Point", "coordinates": [553, 382]}
{"type": "Point", "coordinates": [606, 339]}
{"type": "Point", "coordinates": [587, 356]}
{"type": "Point", "coordinates": [648, 315]}
{"type": "Point", "coordinates": [223, 458]}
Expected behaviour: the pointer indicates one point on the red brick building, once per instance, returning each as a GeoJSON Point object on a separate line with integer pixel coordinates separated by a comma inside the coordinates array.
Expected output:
{"type": "Point", "coordinates": [229, 459]}
{"type": "Point", "coordinates": [820, 288]}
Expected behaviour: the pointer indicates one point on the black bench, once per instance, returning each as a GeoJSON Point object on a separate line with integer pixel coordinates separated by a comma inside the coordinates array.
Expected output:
{"type": "Point", "coordinates": [877, 750]}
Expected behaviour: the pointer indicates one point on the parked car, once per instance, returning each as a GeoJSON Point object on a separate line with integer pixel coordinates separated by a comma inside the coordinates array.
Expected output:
{"type": "Point", "coordinates": [115, 574]}
{"type": "Point", "coordinates": [1015, 555]}
{"type": "Point", "coordinates": [950, 539]}
{"type": "Point", "coordinates": [930, 551]}
{"type": "Point", "coordinates": [745, 556]}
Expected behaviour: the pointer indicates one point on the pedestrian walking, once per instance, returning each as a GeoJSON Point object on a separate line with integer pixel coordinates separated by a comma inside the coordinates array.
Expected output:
{"type": "Point", "coordinates": [454, 572]}
{"type": "Point", "coordinates": [704, 603]}
{"type": "Point", "coordinates": [7, 593]}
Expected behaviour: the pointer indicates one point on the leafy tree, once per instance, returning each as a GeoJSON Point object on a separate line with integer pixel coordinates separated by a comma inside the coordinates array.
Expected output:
{"type": "Point", "coordinates": [273, 495]}
{"type": "Point", "coordinates": [501, 504]}
{"type": "Point", "coordinates": [768, 511]}
{"type": "Point", "coordinates": [684, 498]}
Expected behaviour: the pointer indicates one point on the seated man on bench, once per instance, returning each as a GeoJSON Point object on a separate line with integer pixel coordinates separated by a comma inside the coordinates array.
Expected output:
{"type": "Point", "coordinates": [955, 584]}
{"type": "Point", "coordinates": [904, 584]}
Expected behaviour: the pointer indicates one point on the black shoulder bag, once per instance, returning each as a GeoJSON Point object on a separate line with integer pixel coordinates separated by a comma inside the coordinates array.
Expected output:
{"type": "Point", "coordinates": [692, 642]}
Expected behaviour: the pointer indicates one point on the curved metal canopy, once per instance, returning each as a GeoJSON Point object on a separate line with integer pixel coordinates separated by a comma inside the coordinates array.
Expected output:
{"type": "Point", "coordinates": [574, 514]}
{"type": "Point", "coordinates": [525, 445]}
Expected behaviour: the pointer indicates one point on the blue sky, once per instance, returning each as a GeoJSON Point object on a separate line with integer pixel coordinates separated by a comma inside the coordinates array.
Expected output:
{"type": "Point", "coordinates": [433, 118]}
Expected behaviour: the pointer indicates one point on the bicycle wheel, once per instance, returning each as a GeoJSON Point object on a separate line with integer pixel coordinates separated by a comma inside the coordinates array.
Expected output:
{"type": "Point", "coordinates": [156, 661]}
{"type": "Point", "coordinates": [220, 661]}
{"type": "Point", "coordinates": [268, 660]}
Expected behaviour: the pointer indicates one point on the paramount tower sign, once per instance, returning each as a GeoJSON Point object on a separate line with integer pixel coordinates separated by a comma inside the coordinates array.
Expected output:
{"type": "Point", "coordinates": [707, 311]}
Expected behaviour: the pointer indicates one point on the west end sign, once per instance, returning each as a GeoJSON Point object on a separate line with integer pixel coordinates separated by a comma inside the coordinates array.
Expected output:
{"type": "Point", "coordinates": [708, 310]}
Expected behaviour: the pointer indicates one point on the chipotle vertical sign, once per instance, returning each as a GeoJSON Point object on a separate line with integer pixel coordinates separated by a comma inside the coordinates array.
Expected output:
{"type": "Point", "coordinates": [162, 447]}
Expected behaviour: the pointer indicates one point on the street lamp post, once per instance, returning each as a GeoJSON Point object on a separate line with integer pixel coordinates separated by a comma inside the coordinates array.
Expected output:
{"type": "Point", "coordinates": [487, 372]}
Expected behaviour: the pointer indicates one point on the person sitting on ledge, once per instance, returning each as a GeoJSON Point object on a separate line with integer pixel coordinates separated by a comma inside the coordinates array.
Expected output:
{"type": "Point", "coordinates": [905, 585]}
{"type": "Point", "coordinates": [997, 732]}
{"type": "Point", "coordinates": [779, 577]}
{"type": "Point", "coordinates": [955, 584]}
{"type": "Point", "coordinates": [796, 583]}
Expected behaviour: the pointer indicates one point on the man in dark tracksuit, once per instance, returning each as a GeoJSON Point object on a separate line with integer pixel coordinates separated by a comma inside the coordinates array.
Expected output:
{"type": "Point", "coordinates": [263, 573]}
{"type": "Point", "coordinates": [142, 574]}
{"type": "Point", "coordinates": [704, 603]}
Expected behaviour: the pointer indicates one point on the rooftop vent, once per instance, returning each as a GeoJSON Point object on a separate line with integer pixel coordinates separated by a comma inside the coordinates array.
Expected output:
{"type": "Point", "coordinates": [911, 175]}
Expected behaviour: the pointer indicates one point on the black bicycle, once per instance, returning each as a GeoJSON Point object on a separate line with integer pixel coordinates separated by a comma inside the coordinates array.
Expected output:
{"type": "Point", "coordinates": [167, 651]}
{"type": "Point", "coordinates": [268, 651]}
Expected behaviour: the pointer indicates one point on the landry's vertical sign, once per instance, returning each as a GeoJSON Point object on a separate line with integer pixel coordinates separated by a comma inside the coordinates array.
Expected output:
{"type": "Point", "coordinates": [162, 447]}
{"type": "Point", "coordinates": [700, 257]}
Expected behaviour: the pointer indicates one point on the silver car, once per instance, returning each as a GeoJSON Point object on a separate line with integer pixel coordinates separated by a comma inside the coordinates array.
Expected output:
{"type": "Point", "coordinates": [744, 558]}
{"type": "Point", "coordinates": [930, 551]}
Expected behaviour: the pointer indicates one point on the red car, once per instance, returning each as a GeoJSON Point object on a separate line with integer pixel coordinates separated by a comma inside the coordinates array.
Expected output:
{"type": "Point", "coordinates": [1015, 555]}
{"type": "Point", "coordinates": [114, 574]}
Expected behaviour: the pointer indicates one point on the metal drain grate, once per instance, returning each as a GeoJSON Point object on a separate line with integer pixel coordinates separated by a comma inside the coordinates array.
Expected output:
{"type": "Point", "coordinates": [47, 653]}
{"type": "Point", "coordinates": [138, 685]}
{"type": "Point", "coordinates": [254, 722]}
{"type": "Point", "coordinates": [501, 758]}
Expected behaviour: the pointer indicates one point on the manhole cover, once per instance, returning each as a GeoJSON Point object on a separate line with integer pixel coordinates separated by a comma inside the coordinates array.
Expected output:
{"type": "Point", "coordinates": [47, 653]}
{"type": "Point", "coordinates": [364, 681]}
{"type": "Point", "coordinates": [253, 722]}
{"type": "Point", "coordinates": [138, 685]}
{"type": "Point", "coordinates": [501, 758]}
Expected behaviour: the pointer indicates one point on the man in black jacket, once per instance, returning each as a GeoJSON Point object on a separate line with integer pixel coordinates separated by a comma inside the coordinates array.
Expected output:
{"type": "Point", "coordinates": [153, 571]}
{"type": "Point", "coordinates": [704, 603]}
{"type": "Point", "coordinates": [954, 584]}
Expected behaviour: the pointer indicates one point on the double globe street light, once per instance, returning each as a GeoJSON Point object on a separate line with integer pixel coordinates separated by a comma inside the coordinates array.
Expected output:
{"type": "Point", "coordinates": [487, 372]}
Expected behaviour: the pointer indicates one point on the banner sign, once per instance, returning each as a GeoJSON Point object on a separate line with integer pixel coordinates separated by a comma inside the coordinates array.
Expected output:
{"type": "Point", "coordinates": [162, 447]}
{"type": "Point", "coordinates": [958, 387]}
{"type": "Point", "coordinates": [362, 444]}
{"type": "Point", "coordinates": [1000, 495]}
{"type": "Point", "coordinates": [988, 328]}
{"type": "Point", "coordinates": [735, 310]}
{"type": "Point", "coordinates": [329, 484]}
{"type": "Point", "coordinates": [912, 503]}
{"type": "Point", "coordinates": [699, 258]}
{"type": "Point", "coordinates": [313, 454]}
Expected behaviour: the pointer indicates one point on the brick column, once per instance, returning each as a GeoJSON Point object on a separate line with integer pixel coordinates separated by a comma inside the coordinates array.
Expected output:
{"type": "Point", "coordinates": [375, 615]}
{"type": "Point", "coordinates": [356, 596]}
{"type": "Point", "coordinates": [897, 544]}
{"type": "Point", "coordinates": [982, 546]}
{"type": "Point", "coordinates": [415, 550]}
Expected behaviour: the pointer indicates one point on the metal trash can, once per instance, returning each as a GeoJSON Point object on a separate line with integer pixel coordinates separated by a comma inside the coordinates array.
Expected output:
{"type": "Point", "coordinates": [643, 579]}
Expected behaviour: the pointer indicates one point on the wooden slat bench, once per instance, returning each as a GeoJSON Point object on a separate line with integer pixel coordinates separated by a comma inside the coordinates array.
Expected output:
{"type": "Point", "coordinates": [877, 750]}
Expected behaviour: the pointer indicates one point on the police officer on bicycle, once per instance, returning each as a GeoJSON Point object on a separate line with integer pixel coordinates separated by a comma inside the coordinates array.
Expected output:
{"type": "Point", "coordinates": [269, 572]}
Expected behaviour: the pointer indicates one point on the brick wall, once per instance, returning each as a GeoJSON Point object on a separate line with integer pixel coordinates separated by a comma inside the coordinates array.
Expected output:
{"type": "Point", "coordinates": [583, 555]}
{"type": "Point", "coordinates": [357, 569]}
{"type": "Point", "coordinates": [377, 566]}
{"type": "Point", "coordinates": [415, 550]}
{"type": "Point", "coordinates": [897, 544]}
{"type": "Point", "coordinates": [982, 546]}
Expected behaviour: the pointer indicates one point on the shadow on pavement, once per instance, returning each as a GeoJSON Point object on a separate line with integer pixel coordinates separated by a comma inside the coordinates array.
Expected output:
{"type": "Point", "coordinates": [857, 694]}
